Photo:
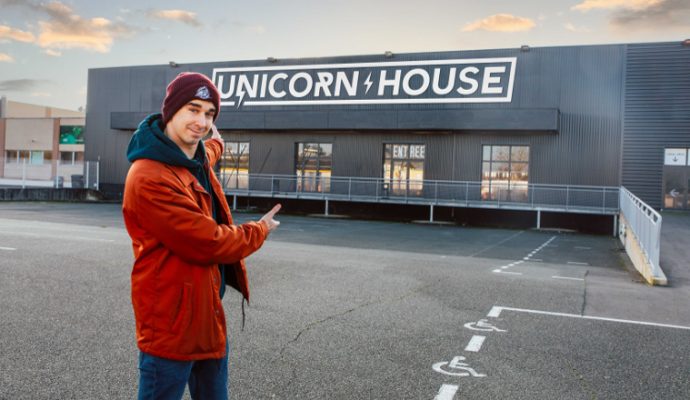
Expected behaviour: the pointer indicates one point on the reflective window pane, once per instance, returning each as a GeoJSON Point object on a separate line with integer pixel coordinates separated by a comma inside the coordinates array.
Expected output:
{"type": "Point", "coordinates": [11, 156]}
{"type": "Point", "coordinates": [506, 177]}
{"type": "Point", "coordinates": [403, 169]}
{"type": "Point", "coordinates": [486, 171]}
{"type": "Point", "coordinates": [500, 153]}
{"type": "Point", "coordinates": [66, 157]}
{"type": "Point", "coordinates": [519, 153]}
{"type": "Point", "coordinates": [486, 153]}
{"type": "Point", "coordinates": [36, 157]}
{"type": "Point", "coordinates": [234, 171]}
{"type": "Point", "coordinates": [313, 166]}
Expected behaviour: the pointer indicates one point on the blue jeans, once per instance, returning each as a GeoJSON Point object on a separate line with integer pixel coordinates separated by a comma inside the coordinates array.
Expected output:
{"type": "Point", "coordinates": [163, 379]}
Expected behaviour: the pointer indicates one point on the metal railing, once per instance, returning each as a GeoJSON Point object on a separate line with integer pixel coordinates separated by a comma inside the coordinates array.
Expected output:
{"type": "Point", "coordinates": [645, 223]}
{"type": "Point", "coordinates": [587, 199]}
{"type": "Point", "coordinates": [51, 175]}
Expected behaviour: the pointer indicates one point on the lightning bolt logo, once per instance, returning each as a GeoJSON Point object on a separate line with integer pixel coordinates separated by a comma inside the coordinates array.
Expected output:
{"type": "Point", "coordinates": [368, 83]}
{"type": "Point", "coordinates": [241, 93]}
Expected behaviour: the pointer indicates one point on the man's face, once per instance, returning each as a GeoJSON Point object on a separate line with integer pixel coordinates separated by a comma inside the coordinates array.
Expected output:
{"type": "Point", "coordinates": [191, 123]}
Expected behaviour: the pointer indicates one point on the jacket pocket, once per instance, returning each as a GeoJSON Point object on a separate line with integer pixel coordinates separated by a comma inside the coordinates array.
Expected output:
{"type": "Point", "coordinates": [183, 310]}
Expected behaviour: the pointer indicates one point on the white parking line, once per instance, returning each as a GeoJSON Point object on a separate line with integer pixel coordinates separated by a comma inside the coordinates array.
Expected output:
{"type": "Point", "coordinates": [577, 263]}
{"type": "Point", "coordinates": [8, 248]}
{"type": "Point", "coordinates": [496, 312]}
{"type": "Point", "coordinates": [475, 343]}
{"type": "Point", "coordinates": [526, 258]}
{"type": "Point", "coordinates": [567, 277]}
{"type": "Point", "coordinates": [498, 271]}
{"type": "Point", "coordinates": [447, 392]}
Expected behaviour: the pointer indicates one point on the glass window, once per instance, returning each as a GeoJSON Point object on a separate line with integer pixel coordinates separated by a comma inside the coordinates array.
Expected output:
{"type": "Point", "coordinates": [234, 170]}
{"type": "Point", "coordinates": [519, 153]}
{"type": "Point", "coordinates": [36, 158]}
{"type": "Point", "coordinates": [500, 153]}
{"type": "Point", "coordinates": [11, 157]}
{"type": "Point", "coordinates": [67, 157]}
{"type": "Point", "coordinates": [403, 169]}
{"type": "Point", "coordinates": [313, 166]}
{"type": "Point", "coordinates": [505, 173]}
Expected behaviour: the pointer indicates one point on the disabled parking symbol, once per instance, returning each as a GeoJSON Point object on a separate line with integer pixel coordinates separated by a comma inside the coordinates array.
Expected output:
{"type": "Point", "coordinates": [456, 367]}
{"type": "Point", "coordinates": [484, 326]}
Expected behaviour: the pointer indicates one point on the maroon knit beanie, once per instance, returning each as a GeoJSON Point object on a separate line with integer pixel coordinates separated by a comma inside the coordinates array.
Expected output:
{"type": "Point", "coordinates": [186, 87]}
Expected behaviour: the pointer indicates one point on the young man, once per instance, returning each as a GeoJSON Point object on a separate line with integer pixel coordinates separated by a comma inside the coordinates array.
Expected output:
{"type": "Point", "coordinates": [185, 246]}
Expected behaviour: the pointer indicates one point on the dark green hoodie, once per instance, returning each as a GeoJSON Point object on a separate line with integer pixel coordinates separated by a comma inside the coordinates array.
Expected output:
{"type": "Point", "coordinates": [150, 142]}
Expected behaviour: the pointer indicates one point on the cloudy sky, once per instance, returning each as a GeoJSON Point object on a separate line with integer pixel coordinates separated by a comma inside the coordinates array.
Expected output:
{"type": "Point", "coordinates": [47, 47]}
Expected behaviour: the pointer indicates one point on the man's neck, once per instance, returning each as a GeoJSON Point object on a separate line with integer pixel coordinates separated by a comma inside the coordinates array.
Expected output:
{"type": "Point", "coordinates": [188, 150]}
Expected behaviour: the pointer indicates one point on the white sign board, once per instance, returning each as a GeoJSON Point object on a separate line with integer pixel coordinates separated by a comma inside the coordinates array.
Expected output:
{"type": "Point", "coordinates": [479, 80]}
{"type": "Point", "coordinates": [676, 157]}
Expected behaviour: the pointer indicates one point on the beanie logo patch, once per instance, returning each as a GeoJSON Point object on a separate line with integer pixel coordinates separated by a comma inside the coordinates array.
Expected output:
{"type": "Point", "coordinates": [203, 93]}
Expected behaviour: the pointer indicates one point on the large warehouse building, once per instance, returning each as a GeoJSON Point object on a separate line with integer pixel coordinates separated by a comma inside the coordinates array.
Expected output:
{"type": "Point", "coordinates": [538, 129]}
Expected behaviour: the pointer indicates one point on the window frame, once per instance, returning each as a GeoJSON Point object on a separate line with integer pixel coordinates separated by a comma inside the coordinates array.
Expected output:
{"type": "Point", "coordinates": [488, 185]}
{"type": "Point", "coordinates": [241, 178]}
{"type": "Point", "coordinates": [318, 182]}
{"type": "Point", "coordinates": [391, 185]}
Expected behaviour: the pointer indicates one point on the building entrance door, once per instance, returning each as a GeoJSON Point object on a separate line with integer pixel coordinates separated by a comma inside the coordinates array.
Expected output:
{"type": "Point", "coordinates": [676, 183]}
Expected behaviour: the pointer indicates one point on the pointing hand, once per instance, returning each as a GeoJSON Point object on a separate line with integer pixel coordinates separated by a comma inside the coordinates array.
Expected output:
{"type": "Point", "coordinates": [268, 218]}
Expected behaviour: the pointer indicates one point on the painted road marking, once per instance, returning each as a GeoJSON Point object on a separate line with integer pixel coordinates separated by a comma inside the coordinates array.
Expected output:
{"type": "Point", "coordinates": [567, 277]}
{"type": "Point", "coordinates": [8, 248]}
{"type": "Point", "coordinates": [528, 257]}
{"type": "Point", "coordinates": [475, 343]}
{"type": "Point", "coordinates": [583, 248]}
{"type": "Point", "coordinates": [577, 263]}
{"type": "Point", "coordinates": [447, 392]}
{"type": "Point", "coordinates": [496, 312]}
{"type": "Point", "coordinates": [498, 271]}
{"type": "Point", "coordinates": [483, 325]}
{"type": "Point", "coordinates": [457, 364]}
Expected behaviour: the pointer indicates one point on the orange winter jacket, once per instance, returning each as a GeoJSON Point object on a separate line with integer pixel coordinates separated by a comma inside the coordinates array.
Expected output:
{"type": "Point", "coordinates": [177, 246]}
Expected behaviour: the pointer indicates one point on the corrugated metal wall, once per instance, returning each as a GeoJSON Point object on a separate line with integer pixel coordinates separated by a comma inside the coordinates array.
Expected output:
{"type": "Point", "coordinates": [657, 114]}
{"type": "Point", "coordinates": [586, 151]}
{"type": "Point", "coordinates": [584, 83]}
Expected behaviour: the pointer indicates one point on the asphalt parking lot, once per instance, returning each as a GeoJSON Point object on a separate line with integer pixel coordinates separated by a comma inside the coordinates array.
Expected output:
{"type": "Point", "coordinates": [346, 309]}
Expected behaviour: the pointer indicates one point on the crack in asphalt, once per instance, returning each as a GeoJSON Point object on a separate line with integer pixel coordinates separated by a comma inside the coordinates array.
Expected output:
{"type": "Point", "coordinates": [358, 307]}
{"type": "Point", "coordinates": [586, 387]}
{"type": "Point", "coordinates": [340, 314]}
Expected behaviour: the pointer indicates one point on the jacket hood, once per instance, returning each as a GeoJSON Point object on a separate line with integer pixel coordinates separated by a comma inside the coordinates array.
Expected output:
{"type": "Point", "coordinates": [150, 142]}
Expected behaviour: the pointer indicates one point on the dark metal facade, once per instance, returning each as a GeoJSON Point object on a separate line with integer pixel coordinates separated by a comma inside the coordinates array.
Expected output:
{"type": "Point", "coordinates": [567, 104]}
{"type": "Point", "coordinates": [657, 114]}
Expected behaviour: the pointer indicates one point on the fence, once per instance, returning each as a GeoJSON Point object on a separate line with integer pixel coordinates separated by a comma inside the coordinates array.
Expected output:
{"type": "Point", "coordinates": [641, 233]}
{"type": "Point", "coordinates": [51, 173]}
{"type": "Point", "coordinates": [586, 199]}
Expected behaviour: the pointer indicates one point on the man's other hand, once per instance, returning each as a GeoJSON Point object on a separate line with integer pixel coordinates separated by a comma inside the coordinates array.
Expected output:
{"type": "Point", "coordinates": [214, 133]}
{"type": "Point", "coordinates": [268, 218]}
